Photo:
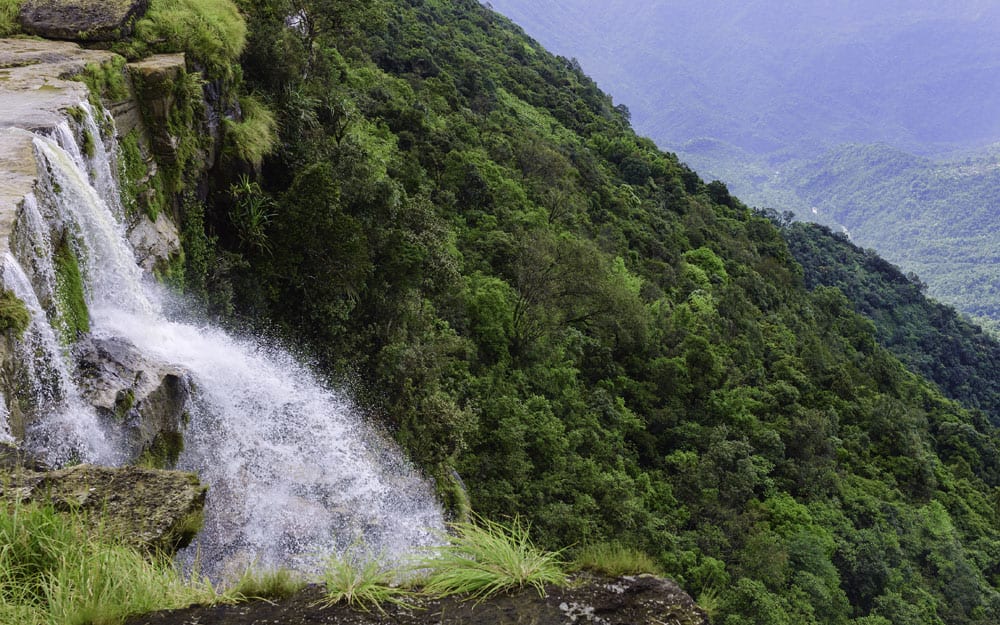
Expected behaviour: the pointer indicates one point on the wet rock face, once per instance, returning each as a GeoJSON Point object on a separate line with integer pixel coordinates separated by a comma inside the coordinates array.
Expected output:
{"type": "Point", "coordinates": [142, 400]}
{"type": "Point", "coordinates": [82, 20]}
{"type": "Point", "coordinates": [155, 243]}
{"type": "Point", "coordinates": [159, 511]}
{"type": "Point", "coordinates": [631, 600]}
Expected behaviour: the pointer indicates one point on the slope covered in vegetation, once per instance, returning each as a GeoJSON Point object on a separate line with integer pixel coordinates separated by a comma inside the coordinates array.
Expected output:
{"type": "Point", "coordinates": [931, 338]}
{"type": "Point", "coordinates": [464, 229]}
{"type": "Point", "coordinates": [876, 116]}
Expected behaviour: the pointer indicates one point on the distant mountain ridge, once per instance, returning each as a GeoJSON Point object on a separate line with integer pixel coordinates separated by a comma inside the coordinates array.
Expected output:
{"type": "Point", "coordinates": [763, 77]}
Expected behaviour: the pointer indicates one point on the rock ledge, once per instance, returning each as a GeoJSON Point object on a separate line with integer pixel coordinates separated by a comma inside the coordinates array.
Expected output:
{"type": "Point", "coordinates": [630, 600]}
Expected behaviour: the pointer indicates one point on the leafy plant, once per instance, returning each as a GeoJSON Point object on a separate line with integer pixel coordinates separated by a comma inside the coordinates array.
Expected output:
{"type": "Point", "coordinates": [484, 558]}
{"type": "Point", "coordinates": [251, 213]}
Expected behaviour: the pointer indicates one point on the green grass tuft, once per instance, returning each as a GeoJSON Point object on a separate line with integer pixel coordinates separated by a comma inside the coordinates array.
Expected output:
{"type": "Point", "coordinates": [266, 584]}
{"type": "Point", "coordinates": [9, 10]}
{"type": "Point", "coordinates": [485, 558]}
{"type": "Point", "coordinates": [614, 560]}
{"type": "Point", "coordinates": [256, 136]}
{"type": "Point", "coordinates": [212, 33]}
{"type": "Point", "coordinates": [53, 571]}
{"type": "Point", "coordinates": [362, 583]}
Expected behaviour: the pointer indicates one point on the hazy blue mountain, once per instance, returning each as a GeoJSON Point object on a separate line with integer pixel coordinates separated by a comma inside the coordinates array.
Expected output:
{"type": "Point", "coordinates": [834, 106]}
{"type": "Point", "coordinates": [766, 74]}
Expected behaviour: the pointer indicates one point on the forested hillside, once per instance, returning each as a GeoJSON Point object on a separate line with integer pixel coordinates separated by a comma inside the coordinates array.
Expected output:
{"type": "Point", "coordinates": [879, 116]}
{"type": "Point", "coordinates": [931, 338]}
{"type": "Point", "coordinates": [934, 218]}
{"type": "Point", "coordinates": [465, 231]}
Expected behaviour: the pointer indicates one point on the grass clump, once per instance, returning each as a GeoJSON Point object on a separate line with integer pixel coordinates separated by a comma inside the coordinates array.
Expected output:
{"type": "Point", "coordinates": [53, 571]}
{"type": "Point", "coordinates": [362, 583]}
{"type": "Point", "coordinates": [256, 136]}
{"type": "Point", "coordinates": [484, 558]}
{"type": "Point", "coordinates": [9, 10]}
{"type": "Point", "coordinates": [614, 560]}
{"type": "Point", "coordinates": [266, 584]}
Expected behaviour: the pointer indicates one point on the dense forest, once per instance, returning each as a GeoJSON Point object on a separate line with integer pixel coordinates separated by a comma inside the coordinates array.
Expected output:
{"type": "Point", "coordinates": [561, 322]}
{"type": "Point", "coordinates": [931, 338]}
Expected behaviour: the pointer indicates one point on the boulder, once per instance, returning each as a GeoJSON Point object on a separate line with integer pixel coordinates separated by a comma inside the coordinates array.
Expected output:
{"type": "Point", "coordinates": [82, 20]}
{"type": "Point", "coordinates": [154, 510]}
{"type": "Point", "coordinates": [143, 402]}
{"type": "Point", "coordinates": [630, 600]}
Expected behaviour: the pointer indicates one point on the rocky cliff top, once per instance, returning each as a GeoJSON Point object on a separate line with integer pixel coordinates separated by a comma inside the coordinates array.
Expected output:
{"type": "Point", "coordinates": [36, 89]}
{"type": "Point", "coordinates": [631, 600]}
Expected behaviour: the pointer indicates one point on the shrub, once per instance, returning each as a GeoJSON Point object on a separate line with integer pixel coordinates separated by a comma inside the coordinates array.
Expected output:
{"type": "Point", "coordinates": [483, 558]}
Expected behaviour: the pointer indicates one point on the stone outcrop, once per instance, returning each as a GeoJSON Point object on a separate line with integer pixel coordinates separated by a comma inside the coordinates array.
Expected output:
{"type": "Point", "coordinates": [36, 89]}
{"type": "Point", "coordinates": [632, 600]}
{"type": "Point", "coordinates": [143, 401]}
{"type": "Point", "coordinates": [147, 508]}
{"type": "Point", "coordinates": [82, 20]}
{"type": "Point", "coordinates": [156, 243]}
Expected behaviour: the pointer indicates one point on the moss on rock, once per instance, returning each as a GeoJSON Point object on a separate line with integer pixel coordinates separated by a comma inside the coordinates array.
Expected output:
{"type": "Point", "coordinates": [73, 316]}
{"type": "Point", "coordinates": [163, 452]}
{"type": "Point", "coordinates": [14, 315]}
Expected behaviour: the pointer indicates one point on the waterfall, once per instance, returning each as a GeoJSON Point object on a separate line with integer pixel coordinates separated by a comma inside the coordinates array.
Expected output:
{"type": "Point", "coordinates": [294, 472]}
{"type": "Point", "coordinates": [67, 428]}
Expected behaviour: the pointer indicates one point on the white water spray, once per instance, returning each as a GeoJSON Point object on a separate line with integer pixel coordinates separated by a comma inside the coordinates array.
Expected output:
{"type": "Point", "coordinates": [293, 472]}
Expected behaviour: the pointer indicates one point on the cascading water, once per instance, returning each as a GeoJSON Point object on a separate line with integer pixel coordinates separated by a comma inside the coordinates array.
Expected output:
{"type": "Point", "coordinates": [293, 471]}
